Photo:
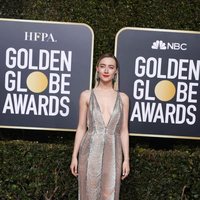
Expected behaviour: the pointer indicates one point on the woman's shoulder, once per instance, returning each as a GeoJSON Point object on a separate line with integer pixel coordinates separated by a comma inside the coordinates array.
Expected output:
{"type": "Point", "coordinates": [85, 95]}
{"type": "Point", "coordinates": [124, 97]}
{"type": "Point", "coordinates": [85, 92]}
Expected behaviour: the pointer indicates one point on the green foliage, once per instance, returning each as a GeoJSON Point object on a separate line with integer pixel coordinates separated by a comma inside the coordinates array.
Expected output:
{"type": "Point", "coordinates": [36, 171]}
{"type": "Point", "coordinates": [166, 174]}
{"type": "Point", "coordinates": [31, 170]}
{"type": "Point", "coordinates": [107, 17]}
{"type": "Point", "coordinates": [41, 171]}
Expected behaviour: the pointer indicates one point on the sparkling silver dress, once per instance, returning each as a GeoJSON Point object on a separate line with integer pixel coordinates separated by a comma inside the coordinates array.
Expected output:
{"type": "Point", "coordinates": [100, 154]}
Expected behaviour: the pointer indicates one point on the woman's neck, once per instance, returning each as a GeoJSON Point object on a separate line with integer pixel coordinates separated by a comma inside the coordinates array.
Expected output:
{"type": "Point", "coordinates": [105, 86]}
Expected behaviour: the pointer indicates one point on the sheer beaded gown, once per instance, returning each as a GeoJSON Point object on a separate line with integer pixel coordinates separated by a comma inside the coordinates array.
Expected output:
{"type": "Point", "coordinates": [100, 154]}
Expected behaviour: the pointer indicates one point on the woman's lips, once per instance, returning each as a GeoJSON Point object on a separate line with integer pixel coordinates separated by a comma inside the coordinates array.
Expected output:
{"type": "Point", "coordinates": [106, 75]}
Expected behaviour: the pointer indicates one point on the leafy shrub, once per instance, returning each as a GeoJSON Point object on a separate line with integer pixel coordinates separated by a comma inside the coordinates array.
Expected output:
{"type": "Point", "coordinates": [31, 170]}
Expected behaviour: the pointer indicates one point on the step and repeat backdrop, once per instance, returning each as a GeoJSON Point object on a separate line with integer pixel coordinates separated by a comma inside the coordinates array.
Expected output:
{"type": "Point", "coordinates": [159, 70]}
{"type": "Point", "coordinates": [44, 66]}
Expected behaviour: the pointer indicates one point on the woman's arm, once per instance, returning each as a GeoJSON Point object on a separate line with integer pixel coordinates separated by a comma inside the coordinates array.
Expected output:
{"type": "Point", "coordinates": [81, 129]}
{"type": "Point", "coordinates": [125, 136]}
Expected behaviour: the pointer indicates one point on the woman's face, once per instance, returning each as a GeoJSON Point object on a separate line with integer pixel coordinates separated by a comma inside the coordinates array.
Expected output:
{"type": "Point", "coordinates": [106, 69]}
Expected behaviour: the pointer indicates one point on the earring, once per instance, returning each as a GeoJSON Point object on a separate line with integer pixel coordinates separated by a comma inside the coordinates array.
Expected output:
{"type": "Point", "coordinates": [97, 78]}
{"type": "Point", "coordinates": [114, 78]}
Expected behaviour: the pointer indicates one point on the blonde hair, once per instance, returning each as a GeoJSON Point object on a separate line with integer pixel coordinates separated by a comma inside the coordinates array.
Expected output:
{"type": "Point", "coordinates": [116, 82]}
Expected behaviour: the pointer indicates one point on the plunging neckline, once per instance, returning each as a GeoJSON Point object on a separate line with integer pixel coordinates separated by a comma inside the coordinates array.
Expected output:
{"type": "Point", "coordinates": [98, 105]}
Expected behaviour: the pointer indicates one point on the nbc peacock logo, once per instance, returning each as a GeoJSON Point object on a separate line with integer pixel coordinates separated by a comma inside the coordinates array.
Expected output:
{"type": "Point", "coordinates": [159, 44]}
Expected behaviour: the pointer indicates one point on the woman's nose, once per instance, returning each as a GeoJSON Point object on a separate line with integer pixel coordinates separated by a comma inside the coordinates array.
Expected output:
{"type": "Point", "coordinates": [106, 70]}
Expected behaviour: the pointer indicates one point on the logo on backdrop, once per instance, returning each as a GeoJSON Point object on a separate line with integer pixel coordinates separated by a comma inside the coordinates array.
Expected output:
{"type": "Point", "coordinates": [159, 44]}
{"type": "Point", "coordinates": [39, 73]}
{"type": "Point", "coordinates": [39, 36]}
{"type": "Point", "coordinates": [150, 76]}
{"type": "Point", "coordinates": [51, 73]}
{"type": "Point", "coordinates": [161, 79]}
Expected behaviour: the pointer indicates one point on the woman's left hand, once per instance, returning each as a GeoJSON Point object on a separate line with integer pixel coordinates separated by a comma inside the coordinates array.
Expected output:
{"type": "Point", "coordinates": [125, 169]}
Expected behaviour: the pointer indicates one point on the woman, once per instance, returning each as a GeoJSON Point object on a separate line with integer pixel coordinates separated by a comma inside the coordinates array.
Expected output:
{"type": "Point", "coordinates": [102, 136]}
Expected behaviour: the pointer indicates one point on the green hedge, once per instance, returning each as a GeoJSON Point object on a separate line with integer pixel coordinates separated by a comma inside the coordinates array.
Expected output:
{"type": "Point", "coordinates": [35, 171]}
{"type": "Point", "coordinates": [107, 17]}
{"type": "Point", "coordinates": [31, 170]}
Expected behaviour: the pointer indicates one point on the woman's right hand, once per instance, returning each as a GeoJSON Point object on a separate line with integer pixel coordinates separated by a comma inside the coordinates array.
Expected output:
{"type": "Point", "coordinates": [74, 166]}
